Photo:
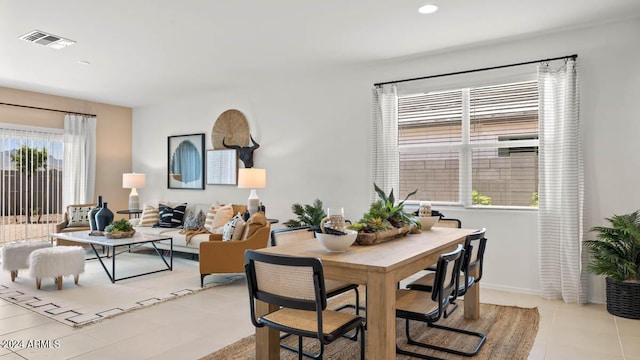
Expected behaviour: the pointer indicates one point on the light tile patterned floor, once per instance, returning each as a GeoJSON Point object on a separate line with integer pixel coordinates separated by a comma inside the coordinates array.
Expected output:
{"type": "Point", "coordinates": [197, 325]}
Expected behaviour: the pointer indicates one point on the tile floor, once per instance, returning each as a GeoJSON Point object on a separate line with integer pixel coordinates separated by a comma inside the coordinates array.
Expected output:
{"type": "Point", "coordinates": [199, 324]}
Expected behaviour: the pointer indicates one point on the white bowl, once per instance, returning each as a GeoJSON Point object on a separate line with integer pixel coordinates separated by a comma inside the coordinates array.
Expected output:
{"type": "Point", "coordinates": [337, 243]}
{"type": "Point", "coordinates": [428, 221]}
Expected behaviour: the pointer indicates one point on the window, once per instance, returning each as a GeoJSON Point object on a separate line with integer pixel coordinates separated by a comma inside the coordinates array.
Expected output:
{"type": "Point", "coordinates": [31, 162]}
{"type": "Point", "coordinates": [471, 146]}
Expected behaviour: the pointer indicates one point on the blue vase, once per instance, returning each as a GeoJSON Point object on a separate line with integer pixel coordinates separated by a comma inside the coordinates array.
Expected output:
{"type": "Point", "coordinates": [92, 214]}
{"type": "Point", "coordinates": [104, 217]}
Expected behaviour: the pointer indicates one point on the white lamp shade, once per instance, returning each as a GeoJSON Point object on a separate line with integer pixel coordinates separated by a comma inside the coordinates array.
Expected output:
{"type": "Point", "coordinates": [133, 181]}
{"type": "Point", "coordinates": [252, 178]}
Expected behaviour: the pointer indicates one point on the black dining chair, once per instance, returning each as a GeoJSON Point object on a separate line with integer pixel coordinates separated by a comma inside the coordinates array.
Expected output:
{"type": "Point", "coordinates": [430, 307]}
{"type": "Point", "coordinates": [296, 286]}
{"type": "Point", "coordinates": [333, 287]}
{"type": "Point", "coordinates": [475, 244]}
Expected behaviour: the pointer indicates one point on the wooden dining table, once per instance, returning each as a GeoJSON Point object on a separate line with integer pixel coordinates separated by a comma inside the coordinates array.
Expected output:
{"type": "Point", "coordinates": [380, 267]}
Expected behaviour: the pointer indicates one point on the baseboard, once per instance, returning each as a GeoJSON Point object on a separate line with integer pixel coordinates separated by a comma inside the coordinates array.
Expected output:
{"type": "Point", "coordinates": [510, 289]}
{"type": "Point", "coordinates": [591, 300]}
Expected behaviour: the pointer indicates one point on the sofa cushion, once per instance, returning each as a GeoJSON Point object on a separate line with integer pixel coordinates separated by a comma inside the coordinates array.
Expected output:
{"type": "Point", "coordinates": [233, 228]}
{"type": "Point", "coordinates": [150, 216]}
{"type": "Point", "coordinates": [255, 222]}
{"type": "Point", "coordinates": [79, 215]}
{"type": "Point", "coordinates": [171, 217]}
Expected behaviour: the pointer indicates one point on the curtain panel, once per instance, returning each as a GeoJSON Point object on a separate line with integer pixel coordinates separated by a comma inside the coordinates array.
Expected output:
{"type": "Point", "coordinates": [562, 261]}
{"type": "Point", "coordinates": [385, 160]}
{"type": "Point", "coordinates": [79, 159]}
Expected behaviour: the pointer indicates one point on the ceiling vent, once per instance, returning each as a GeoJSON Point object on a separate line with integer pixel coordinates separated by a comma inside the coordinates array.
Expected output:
{"type": "Point", "coordinates": [49, 40]}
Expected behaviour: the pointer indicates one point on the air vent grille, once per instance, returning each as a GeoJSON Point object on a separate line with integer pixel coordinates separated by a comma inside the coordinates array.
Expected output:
{"type": "Point", "coordinates": [46, 39]}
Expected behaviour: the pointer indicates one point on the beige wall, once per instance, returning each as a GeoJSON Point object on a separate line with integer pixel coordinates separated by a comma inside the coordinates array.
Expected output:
{"type": "Point", "coordinates": [113, 134]}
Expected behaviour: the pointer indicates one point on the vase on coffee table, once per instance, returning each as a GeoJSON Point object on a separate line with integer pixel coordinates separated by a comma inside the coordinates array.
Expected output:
{"type": "Point", "coordinates": [104, 217]}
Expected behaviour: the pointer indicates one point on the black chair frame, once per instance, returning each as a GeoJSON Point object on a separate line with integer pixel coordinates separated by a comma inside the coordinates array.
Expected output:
{"type": "Point", "coordinates": [467, 267]}
{"type": "Point", "coordinates": [330, 294]}
{"type": "Point", "coordinates": [318, 305]}
{"type": "Point", "coordinates": [445, 291]}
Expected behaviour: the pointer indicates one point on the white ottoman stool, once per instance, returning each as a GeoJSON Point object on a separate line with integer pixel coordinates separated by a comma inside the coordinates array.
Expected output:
{"type": "Point", "coordinates": [15, 255]}
{"type": "Point", "coordinates": [56, 262]}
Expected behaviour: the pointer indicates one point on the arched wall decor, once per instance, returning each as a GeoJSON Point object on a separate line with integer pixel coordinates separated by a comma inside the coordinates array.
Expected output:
{"type": "Point", "coordinates": [185, 168]}
{"type": "Point", "coordinates": [232, 126]}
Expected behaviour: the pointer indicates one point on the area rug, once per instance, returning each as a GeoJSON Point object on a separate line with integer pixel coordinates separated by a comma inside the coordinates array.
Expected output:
{"type": "Point", "coordinates": [510, 334]}
{"type": "Point", "coordinates": [95, 298]}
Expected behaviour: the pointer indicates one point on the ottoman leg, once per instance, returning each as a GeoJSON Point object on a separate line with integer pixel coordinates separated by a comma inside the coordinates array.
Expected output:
{"type": "Point", "coordinates": [14, 275]}
{"type": "Point", "coordinates": [76, 277]}
{"type": "Point", "coordinates": [59, 282]}
{"type": "Point", "coordinates": [38, 282]}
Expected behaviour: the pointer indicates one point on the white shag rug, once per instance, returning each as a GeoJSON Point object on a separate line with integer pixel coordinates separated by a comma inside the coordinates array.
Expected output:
{"type": "Point", "coordinates": [95, 298]}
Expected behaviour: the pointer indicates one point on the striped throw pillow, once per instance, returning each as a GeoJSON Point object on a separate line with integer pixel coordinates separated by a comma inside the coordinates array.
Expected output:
{"type": "Point", "coordinates": [171, 217]}
{"type": "Point", "coordinates": [211, 214]}
{"type": "Point", "coordinates": [150, 216]}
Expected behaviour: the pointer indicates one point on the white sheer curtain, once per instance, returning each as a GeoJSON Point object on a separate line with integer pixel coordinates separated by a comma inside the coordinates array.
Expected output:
{"type": "Point", "coordinates": [561, 189]}
{"type": "Point", "coordinates": [79, 159]}
{"type": "Point", "coordinates": [385, 162]}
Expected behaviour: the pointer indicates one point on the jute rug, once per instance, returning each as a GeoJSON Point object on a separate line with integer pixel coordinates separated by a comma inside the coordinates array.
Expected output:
{"type": "Point", "coordinates": [510, 334]}
{"type": "Point", "coordinates": [95, 298]}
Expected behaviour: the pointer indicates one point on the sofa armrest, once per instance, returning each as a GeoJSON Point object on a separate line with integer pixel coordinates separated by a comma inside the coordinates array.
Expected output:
{"type": "Point", "coordinates": [63, 224]}
{"type": "Point", "coordinates": [215, 237]}
{"type": "Point", "coordinates": [228, 256]}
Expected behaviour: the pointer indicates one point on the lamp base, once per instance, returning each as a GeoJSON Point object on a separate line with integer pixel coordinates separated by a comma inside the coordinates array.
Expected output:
{"type": "Point", "coordinates": [134, 202]}
{"type": "Point", "coordinates": [253, 202]}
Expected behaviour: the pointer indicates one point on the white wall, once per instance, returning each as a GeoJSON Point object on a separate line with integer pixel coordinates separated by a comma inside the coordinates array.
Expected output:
{"type": "Point", "coordinates": [314, 131]}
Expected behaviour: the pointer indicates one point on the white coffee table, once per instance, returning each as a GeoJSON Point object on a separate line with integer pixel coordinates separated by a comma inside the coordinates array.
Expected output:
{"type": "Point", "coordinates": [111, 244]}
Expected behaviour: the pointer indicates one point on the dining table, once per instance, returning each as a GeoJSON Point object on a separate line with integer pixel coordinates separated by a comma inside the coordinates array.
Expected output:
{"type": "Point", "coordinates": [380, 268]}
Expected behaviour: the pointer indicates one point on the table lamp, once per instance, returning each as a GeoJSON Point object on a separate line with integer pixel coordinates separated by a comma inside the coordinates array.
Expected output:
{"type": "Point", "coordinates": [133, 181]}
{"type": "Point", "coordinates": [252, 179]}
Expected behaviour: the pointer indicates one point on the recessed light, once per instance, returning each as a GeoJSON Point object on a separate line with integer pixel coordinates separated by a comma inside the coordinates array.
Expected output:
{"type": "Point", "coordinates": [428, 9]}
{"type": "Point", "coordinates": [83, 62]}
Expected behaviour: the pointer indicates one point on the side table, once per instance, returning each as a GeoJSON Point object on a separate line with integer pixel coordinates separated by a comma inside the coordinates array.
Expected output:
{"type": "Point", "coordinates": [135, 213]}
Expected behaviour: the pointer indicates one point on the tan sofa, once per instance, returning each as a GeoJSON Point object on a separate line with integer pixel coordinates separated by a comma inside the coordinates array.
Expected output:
{"type": "Point", "coordinates": [181, 242]}
{"type": "Point", "coordinates": [219, 257]}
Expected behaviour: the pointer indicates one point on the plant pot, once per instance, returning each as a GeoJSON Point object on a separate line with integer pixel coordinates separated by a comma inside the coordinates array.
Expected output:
{"type": "Point", "coordinates": [382, 236]}
{"type": "Point", "coordinates": [623, 298]}
{"type": "Point", "coordinates": [119, 234]}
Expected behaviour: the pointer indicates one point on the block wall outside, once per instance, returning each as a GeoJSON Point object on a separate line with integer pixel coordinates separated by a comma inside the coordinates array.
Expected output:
{"type": "Point", "coordinates": [508, 180]}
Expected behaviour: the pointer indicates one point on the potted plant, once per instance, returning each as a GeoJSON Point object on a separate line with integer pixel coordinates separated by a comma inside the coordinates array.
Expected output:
{"type": "Point", "coordinates": [616, 254]}
{"type": "Point", "coordinates": [119, 229]}
{"type": "Point", "coordinates": [385, 219]}
{"type": "Point", "coordinates": [308, 215]}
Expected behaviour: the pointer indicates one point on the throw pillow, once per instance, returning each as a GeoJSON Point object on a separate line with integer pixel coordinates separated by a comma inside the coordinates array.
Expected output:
{"type": "Point", "coordinates": [222, 216]}
{"type": "Point", "coordinates": [194, 221]}
{"type": "Point", "coordinates": [211, 214]}
{"type": "Point", "coordinates": [233, 229]}
{"type": "Point", "coordinates": [150, 216]}
{"type": "Point", "coordinates": [79, 215]}
{"type": "Point", "coordinates": [255, 222]}
{"type": "Point", "coordinates": [171, 217]}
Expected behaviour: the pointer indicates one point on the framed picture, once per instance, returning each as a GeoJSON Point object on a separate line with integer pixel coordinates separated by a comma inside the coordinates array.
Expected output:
{"type": "Point", "coordinates": [222, 167]}
{"type": "Point", "coordinates": [185, 168]}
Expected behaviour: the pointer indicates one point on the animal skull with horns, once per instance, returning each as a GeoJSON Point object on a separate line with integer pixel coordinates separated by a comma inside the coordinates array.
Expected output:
{"type": "Point", "coordinates": [245, 153]}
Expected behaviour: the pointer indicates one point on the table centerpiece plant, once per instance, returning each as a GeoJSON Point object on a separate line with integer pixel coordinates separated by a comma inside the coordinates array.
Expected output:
{"type": "Point", "coordinates": [119, 229]}
{"type": "Point", "coordinates": [385, 219]}
{"type": "Point", "coordinates": [616, 254]}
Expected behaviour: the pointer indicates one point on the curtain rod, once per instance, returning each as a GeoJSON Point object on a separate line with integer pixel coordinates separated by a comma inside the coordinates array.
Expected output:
{"type": "Point", "coordinates": [45, 109]}
{"type": "Point", "coordinates": [574, 56]}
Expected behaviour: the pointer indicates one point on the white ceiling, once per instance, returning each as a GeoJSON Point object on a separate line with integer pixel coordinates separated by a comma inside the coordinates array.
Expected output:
{"type": "Point", "coordinates": [146, 51]}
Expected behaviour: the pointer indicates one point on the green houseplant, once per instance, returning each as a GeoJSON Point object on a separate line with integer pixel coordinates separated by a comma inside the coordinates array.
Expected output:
{"type": "Point", "coordinates": [384, 215]}
{"type": "Point", "coordinates": [616, 254]}
{"type": "Point", "coordinates": [119, 229]}
{"type": "Point", "coordinates": [308, 215]}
